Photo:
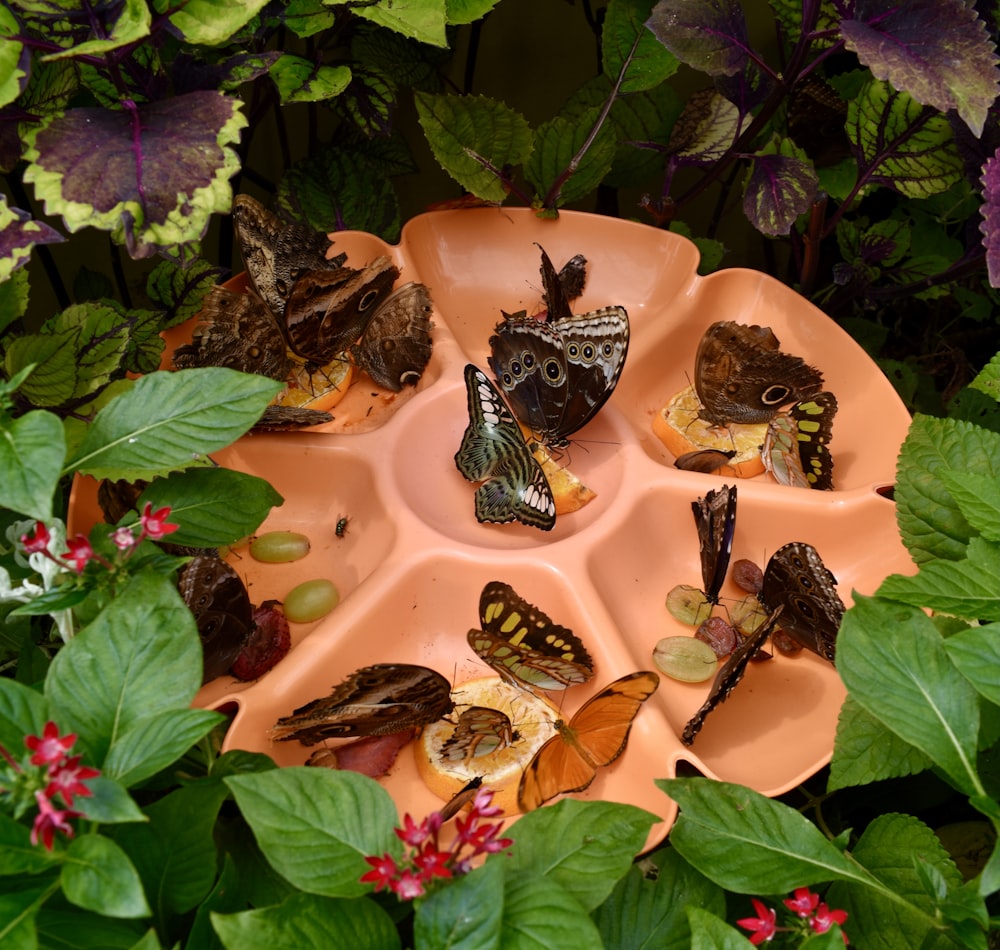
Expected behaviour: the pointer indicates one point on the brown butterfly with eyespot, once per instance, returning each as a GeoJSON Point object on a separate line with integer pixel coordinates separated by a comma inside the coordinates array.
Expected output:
{"type": "Point", "coordinates": [741, 375]}
{"type": "Point", "coordinates": [374, 700]}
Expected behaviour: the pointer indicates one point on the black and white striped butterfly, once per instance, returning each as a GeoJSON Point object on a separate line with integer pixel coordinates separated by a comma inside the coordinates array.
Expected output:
{"type": "Point", "coordinates": [493, 451]}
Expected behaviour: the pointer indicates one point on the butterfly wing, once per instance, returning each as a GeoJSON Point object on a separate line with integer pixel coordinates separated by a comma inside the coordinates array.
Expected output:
{"type": "Point", "coordinates": [715, 518]}
{"type": "Point", "coordinates": [556, 300]}
{"type": "Point", "coordinates": [523, 645]}
{"type": "Point", "coordinates": [479, 731]}
{"type": "Point", "coordinates": [797, 580]}
{"type": "Point", "coordinates": [492, 449]}
{"type": "Point", "coordinates": [396, 345]}
{"type": "Point", "coordinates": [795, 451]}
{"type": "Point", "coordinates": [595, 737]}
{"type": "Point", "coordinates": [374, 700]}
{"type": "Point", "coordinates": [729, 675]}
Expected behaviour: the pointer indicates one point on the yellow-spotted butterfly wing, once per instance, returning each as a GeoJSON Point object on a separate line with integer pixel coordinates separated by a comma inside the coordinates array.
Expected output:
{"type": "Point", "coordinates": [594, 737]}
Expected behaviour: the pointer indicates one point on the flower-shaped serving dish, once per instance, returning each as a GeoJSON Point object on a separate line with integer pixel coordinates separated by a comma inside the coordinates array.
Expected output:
{"type": "Point", "coordinates": [413, 560]}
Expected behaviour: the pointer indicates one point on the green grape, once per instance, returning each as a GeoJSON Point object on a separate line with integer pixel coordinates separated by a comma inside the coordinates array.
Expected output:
{"type": "Point", "coordinates": [688, 604]}
{"type": "Point", "coordinates": [685, 658]}
{"type": "Point", "coordinates": [277, 547]}
{"type": "Point", "coordinates": [311, 600]}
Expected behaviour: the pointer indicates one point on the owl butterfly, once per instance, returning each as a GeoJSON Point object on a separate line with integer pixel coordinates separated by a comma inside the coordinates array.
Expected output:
{"type": "Point", "coordinates": [494, 452]}
{"type": "Point", "coordinates": [218, 599]}
{"type": "Point", "coordinates": [372, 701]}
{"type": "Point", "coordinates": [594, 737]}
{"type": "Point", "coordinates": [562, 287]}
{"type": "Point", "coordinates": [795, 451]}
{"type": "Point", "coordinates": [524, 646]}
{"type": "Point", "coordinates": [797, 580]}
{"type": "Point", "coordinates": [729, 675]}
{"type": "Point", "coordinates": [478, 732]}
{"type": "Point", "coordinates": [715, 519]}
{"type": "Point", "coordinates": [740, 375]}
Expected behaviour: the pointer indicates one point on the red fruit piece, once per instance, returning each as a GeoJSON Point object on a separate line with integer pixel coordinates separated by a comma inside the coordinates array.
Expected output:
{"type": "Point", "coordinates": [719, 635]}
{"type": "Point", "coordinates": [268, 643]}
{"type": "Point", "coordinates": [747, 575]}
{"type": "Point", "coordinates": [371, 755]}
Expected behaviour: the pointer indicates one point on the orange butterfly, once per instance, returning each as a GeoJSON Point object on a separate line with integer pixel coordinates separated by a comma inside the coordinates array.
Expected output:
{"type": "Point", "coordinates": [595, 737]}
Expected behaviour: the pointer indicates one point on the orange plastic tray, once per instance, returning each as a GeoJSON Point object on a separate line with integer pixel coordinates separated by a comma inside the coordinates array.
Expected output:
{"type": "Point", "coordinates": [413, 561]}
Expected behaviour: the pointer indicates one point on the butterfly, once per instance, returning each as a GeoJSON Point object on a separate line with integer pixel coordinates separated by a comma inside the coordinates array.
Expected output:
{"type": "Point", "coordinates": [797, 580]}
{"type": "Point", "coordinates": [715, 518]}
{"type": "Point", "coordinates": [704, 460]}
{"type": "Point", "coordinates": [594, 737]}
{"type": "Point", "coordinates": [494, 452]}
{"type": "Point", "coordinates": [372, 701]}
{"type": "Point", "coordinates": [795, 450]}
{"type": "Point", "coordinates": [478, 732]}
{"type": "Point", "coordinates": [218, 599]}
{"type": "Point", "coordinates": [740, 375]}
{"type": "Point", "coordinates": [524, 646]}
{"type": "Point", "coordinates": [561, 287]}
{"type": "Point", "coordinates": [556, 375]}
{"type": "Point", "coordinates": [729, 675]}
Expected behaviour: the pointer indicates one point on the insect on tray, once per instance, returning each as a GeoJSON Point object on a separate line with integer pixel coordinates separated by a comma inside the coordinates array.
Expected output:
{"type": "Point", "coordinates": [412, 564]}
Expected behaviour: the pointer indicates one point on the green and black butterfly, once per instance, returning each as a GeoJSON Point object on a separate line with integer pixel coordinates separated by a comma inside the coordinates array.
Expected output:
{"type": "Point", "coordinates": [796, 448]}
{"type": "Point", "coordinates": [494, 452]}
{"type": "Point", "coordinates": [524, 646]}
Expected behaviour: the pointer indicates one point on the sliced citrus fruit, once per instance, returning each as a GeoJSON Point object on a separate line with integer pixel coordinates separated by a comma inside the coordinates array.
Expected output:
{"type": "Point", "coordinates": [320, 389]}
{"type": "Point", "coordinates": [568, 492]}
{"type": "Point", "coordinates": [682, 430]}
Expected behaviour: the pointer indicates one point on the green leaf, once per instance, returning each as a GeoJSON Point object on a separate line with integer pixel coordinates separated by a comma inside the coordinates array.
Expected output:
{"type": "Point", "coordinates": [780, 185]}
{"type": "Point", "coordinates": [152, 174]}
{"type": "Point", "coordinates": [585, 846]}
{"type": "Point", "coordinates": [709, 932]}
{"type": "Point", "coordinates": [976, 653]}
{"type": "Point", "coordinates": [929, 519]}
{"type": "Point", "coordinates": [422, 20]}
{"type": "Point", "coordinates": [316, 826]}
{"type": "Point", "coordinates": [97, 875]}
{"type": "Point", "coordinates": [19, 907]}
{"type": "Point", "coordinates": [625, 42]}
{"type": "Point", "coordinates": [647, 907]}
{"type": "Point", "coordinates": [978, 499]}
{"type": "Point", "coordinates": [559, 168]}
{"type": "Point", "coordinates": [987, 381]}
{"type": "Point", "coordinates": [19, 233]}
{"type": "Point", "coordinates": [154, 742]}
{"type": "Point", "coordinates": [175, 851]}
{"type": "Point", "coordinates": [55, 376]}
{"type": "Point", "coordinates": [32, 449]}
{"type": "Point", "coordinates": [467, 11]}
{"type": "Point", "coordinates": [13, 300]}
{"type": "Point", "coordinates": [901, 146]}
{"type": "Point", "coordinates": [167, 421]}
{"type": "Point", "coordinates": [751, 844]}
{"type": "Point", "coordinates": [901, 914]}
{"type": "Point", "coordinates": [139, 657]}
{"type": "Point", "coordinates": [306, 920]}
{"type": "Point", "coordinates": [23, 712]}
{"type": "Point", "coordinates": [13, 71]}
{"type": "Point", "coordinates": [193, 498]}
{"type": "Point", "coordinates": [303, 80]}
{"type": "Point", "coordinates": [465, 915]}
{"type": "Point", "coordinates": [108, 803]}
{"type": "Point", "coordinates": [473, 139]}
{"type": "Point", "coordinates": [866, 751]}
{"type": "Point", "coordinates": [17, 854]}
{"type": "Point", "coordinates": [893, 662]}
{"type": "Point", "coordinates": [100, 335]}
{"type": "Point", "coordinates": [208, 22]}
{"type": "Point", "coordinates": [538, 914]}
{"type": "Point", "coordinates": [965, 588]}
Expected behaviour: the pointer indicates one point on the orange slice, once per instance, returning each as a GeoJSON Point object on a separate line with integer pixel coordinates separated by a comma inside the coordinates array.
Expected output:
{"type": "Point", "coordinates": [568, 492]}
{"type": "Point", "coordinates": [321, 389]}
{"type": "Point", "coordinates": [681, 429]}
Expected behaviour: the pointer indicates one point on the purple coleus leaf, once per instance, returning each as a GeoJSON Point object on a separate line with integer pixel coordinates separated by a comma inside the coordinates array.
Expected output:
{"type": "Point", "coordinates": [709, 35]}
{"type": "Point", "coordinates": [938, 51]}
{"type": "Point", "coordinates": [990, 225]}
{"type": "Point", "coordinates": [18, 235]}
{"type": "Point", "coordinates": [779, 188]}
{"type": "Point", "coordinates": [152, 174]}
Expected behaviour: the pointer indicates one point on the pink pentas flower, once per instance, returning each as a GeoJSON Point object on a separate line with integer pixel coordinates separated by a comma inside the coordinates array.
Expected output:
{"type": "Point", "coordinates": [49, 820]}
{"type": "Point", "coordinates": [803, 902]}
{"type": "Point", "coordinates": [407, 885]}
{"type": "Point", "coordinates": [383, 872]}
{"type": "Point", "coordinates": [764, 925]}
{"type": "Point", "coordinates": [824, 919]}
{"type": "Point", "coordinates": [411, 833]}
{"type": "Point", "coordinates": [123, 539]}
{"type": "Point", "coordinates": [50, 747]}
{"type": "Point", "coordinates": [79, 551]}
{"type": "Point", "coordinates": [481, 804]}
{"type": "Point", "coordinates": [38, 540]}
{"type": "Point", "coordinates": [155, 524]}
{"type": "Point", "coordinates": [66, 780]}
{"type": "Point", "coordinates": [432, 863]}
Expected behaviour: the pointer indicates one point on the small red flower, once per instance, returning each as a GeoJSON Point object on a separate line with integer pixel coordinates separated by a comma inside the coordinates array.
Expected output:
{"type": "Point", "coordinates": [155, 524]}
{"type": "Point", "coordinates": [481, 804]}
{"type": "Point", "coordinates": [49, 820]}
{"type": "Point", "coordinates": [38, 540]}
{"type": "Point", "coordinates": [384, 870]}
{"type": "Point", "coordinates": [407, 885]}
{"type": "Point", "coordinates": [411, 833]}
{"type": "Point", "coordinates": [432, 863]}
{"type": "Point", "coordinates": [123, 538]}
{"type": "Point", "coordinates": [824, 919]}
{"type": "Point", "coordinates": [79, 551]}
{"type": "Point", "coordinates": [51, 747]}
{"type": "Point", "coordinates": [66, 780]}
{"type": "Point", "coordinates": [763, 925]}
{"type": "Point", "coordinates": [803, 903]}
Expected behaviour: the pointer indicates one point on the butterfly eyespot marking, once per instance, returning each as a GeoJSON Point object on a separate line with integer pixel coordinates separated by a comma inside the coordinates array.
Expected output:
{"type": "Point", "coordinates": [589, 352]}
{"type": "Point", "coordinates": [528, 362]}
{"type": "Point", "coordinates": [775, 395]}
{"type": "Point", "coordinates": [553, 370]}
{"type": "Point", "coordinates": [367, 299]}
